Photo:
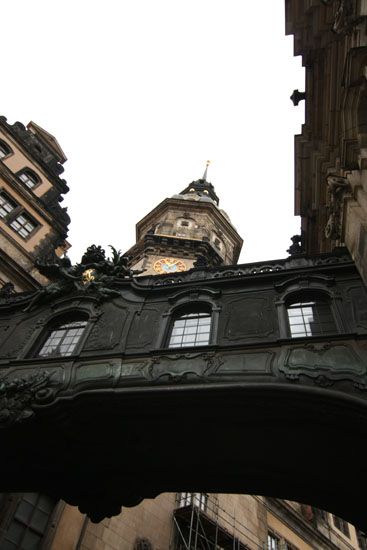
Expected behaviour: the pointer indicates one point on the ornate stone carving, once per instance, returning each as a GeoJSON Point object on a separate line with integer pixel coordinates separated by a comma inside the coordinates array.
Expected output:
{"type": "Point", "coordinates": [17, 397]}
{"type": "Point", "coordinates": [180, 366]}
{"type": "Point", "coordinates": [95, 274]}
{"type": "Point", "coordinates": [346, 19]}
{"type": "Point", "coordinates": [325, 363]}
{"type": "Point", "coordinates": [296, 246]}
{"type": "Point", "coordinates": [7, 290]}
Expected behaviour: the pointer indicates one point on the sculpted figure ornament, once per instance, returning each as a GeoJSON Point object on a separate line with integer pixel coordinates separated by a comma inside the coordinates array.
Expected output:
{"type": "Point", "coordinates": [7, 290]}
{"type": "Point", "coordinates": [296, 246]}
{"type": "Point", "coordinates": [95, 274]}
{"type": "Point", "coordinates": [345, 19]}
{"type": "Point", "coordinates": [337, 187]}
{"type": "Point", "coordinates": [18, 395]}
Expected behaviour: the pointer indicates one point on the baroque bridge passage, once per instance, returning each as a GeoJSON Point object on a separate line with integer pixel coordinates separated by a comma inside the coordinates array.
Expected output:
{"type": "Point", "coordinates": [242, 379]}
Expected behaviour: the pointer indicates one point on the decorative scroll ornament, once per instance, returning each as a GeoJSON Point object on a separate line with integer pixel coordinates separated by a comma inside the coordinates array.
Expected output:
{"type": "Point", "coordinates": [337, 187]}
{"type": "Point", "coordinates": [17, 397]}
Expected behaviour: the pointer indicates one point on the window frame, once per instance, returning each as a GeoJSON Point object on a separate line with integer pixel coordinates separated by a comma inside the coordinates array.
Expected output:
{"type": "Point", "coordinates": [314, 300]}
{"type": "Point", "coordinates": [342, 525]}
{"type": "Point", "coordinates": [185, 301]}
{"type": "Point", "coordinates": [5, 149]}
{"type": "Point", "coordinates": [303, 290]}
{"type": "Point", "coordinates": [179, 315]}
{"type": "Point", "coordinates": [52, 326]}
{"type": "Point", "coordinates": [32, 176]}
{"type": "Point", "coordinates": [45, 533]}
{"type": "Point", "coordinates": [15, 213]}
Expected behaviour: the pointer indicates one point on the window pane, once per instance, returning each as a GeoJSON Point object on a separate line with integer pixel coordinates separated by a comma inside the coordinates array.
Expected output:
{"type": "Point", "coordinates": [23, 225]}
{"type": "Point", "coordinates": [4, 150]}
{"type": "Point", "coordinates": [63, 340]}
{"type": "Point", "coordinates": [190, 329]}
{"type": "Point", "coordinates": [310, 318]}
{"type": "Point", "coordinates": [28, 178]}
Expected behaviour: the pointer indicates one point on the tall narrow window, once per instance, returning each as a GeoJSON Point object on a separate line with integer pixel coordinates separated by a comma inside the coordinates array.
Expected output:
{"type": "Point", "coordinates": [310, 317]}
{"type": "Point", "coordinates": [273, 542]}
{"type": "Point", "coordinates": [29, 178]}
{"type": "Point", "coordinates": [190, 329]}
{"type": "Point", "coordinates": [29, 524]}
{"type": "Point", "coordinates": [6, 205]}
{"type": "Point", "coordinates": [4, 149]}
{"type": "Point", "coordinates": [62, 340]}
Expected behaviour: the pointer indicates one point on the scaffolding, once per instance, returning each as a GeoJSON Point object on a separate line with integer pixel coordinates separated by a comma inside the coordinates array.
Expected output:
{"type": "Point", "coordinates": [201, 524]}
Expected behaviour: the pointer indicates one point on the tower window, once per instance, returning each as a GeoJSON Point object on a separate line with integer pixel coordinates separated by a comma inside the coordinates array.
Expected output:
{"type": "Point", "coordinates": [310, 317]}
{"type": "Point", "coordinates": [4, 149]}
{"type": "Point", "coordinates": [190, 329]}
{"type": "Point", "coordinates": [185, 224]}
{"type": "Point", "coordinates": [24, 225]}
{"type": "Point", "coordinates": [29, 178]}
{"type": "Point", "coordinates": [62, 340]}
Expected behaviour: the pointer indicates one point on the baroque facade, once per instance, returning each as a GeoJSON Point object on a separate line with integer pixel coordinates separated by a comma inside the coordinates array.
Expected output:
{"type": "Point", "coordinates": [109, 334]}
{"type": "Point", "coordinates": [171, 370]}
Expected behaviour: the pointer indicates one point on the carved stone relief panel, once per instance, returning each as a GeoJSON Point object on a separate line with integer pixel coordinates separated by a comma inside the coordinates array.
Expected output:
{"type": "Point", "coordinates": [106, 332]}
{"type": "Point", "coordinates": [327, 362]}
{"type": "Point", "coordinates": [246, 318]}
{"type": "Point", "coordinates": [359, 306]}
{"type": "Point", "coordinates": [143, 329]}
{"type": "Point", "coordinates": [20, 335]}
{"type": "Point", "coordinates": [247, 363]}
{"type": "Point", "coordinates": [181, 366]}
{"type": "Point", "coordinates": [96, 374]}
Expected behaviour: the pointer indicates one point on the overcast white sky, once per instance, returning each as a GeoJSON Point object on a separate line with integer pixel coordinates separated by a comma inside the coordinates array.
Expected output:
{"type": "Point", "coordinates": [140, 93]}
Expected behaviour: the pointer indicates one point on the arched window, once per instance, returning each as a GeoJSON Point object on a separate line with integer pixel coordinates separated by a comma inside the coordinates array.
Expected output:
{"type": "Point", "coordinates": [4, 149]}
{"type": "Point", "coordinates": [29, 178]}
{"type": "Point", "coordinates": [190, 328]}
{"type": "Point", "coordinates": [309, 314]}
{"type": "Point", "coordinates": [61, 340]}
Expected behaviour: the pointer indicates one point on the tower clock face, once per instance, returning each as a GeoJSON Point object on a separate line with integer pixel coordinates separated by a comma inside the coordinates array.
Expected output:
{"type": "Point", "coordinates": [169, 265]}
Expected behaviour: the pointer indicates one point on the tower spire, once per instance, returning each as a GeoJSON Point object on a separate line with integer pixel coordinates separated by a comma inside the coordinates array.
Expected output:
{"type": "Point", "coordinates": [206, 170]}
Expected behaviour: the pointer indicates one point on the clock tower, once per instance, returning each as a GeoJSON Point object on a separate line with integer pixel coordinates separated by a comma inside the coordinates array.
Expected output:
{"type": "Point", "coordinates": [185, 231]}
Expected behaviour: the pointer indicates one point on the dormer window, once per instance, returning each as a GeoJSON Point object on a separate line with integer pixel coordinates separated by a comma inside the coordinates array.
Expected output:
{"type": "Point", "coordinates": [4, 149]}
{"type": "Point", "coordinates": [29, 178]}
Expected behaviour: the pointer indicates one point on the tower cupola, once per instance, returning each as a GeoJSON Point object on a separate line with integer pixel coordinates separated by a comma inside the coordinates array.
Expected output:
{"type": "Point", "coordinates": [183, 229]}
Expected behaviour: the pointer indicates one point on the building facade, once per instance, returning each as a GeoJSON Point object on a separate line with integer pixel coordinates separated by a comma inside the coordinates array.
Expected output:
{"type": "Point", "coordinates": [330, 153]}
{"type": "Point", "coordinates": [174, 311]}
{"type": "Point", "coordinates": [180, 315]}
{"type": "Point", "coordinates": [33, 225]}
